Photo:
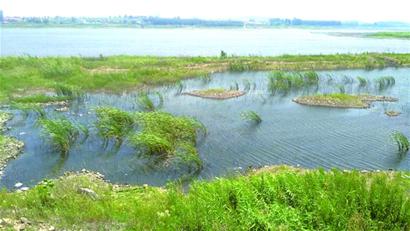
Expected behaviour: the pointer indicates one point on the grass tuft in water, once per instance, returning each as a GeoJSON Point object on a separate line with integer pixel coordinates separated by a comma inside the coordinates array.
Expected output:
{"type": "Point", "coordinates": [145, 102]}
{"type": "Point", "coordinates": [286, 81]}
{"type": "Point", "coordinates": [114, 124]}
{"type": "Point", "coordinates": [72, 92]}
{"type": "Point", "coordinates": [385, 82]}
{"type": "Point", "coordinates": [62, 133]}
{"type": "Point", "coordinates": [251, 116]}
{"type": "Point", "coordinates": [401, 140]}
{"type": "Point", "coordinates": [362, 81]}
{"type": "Point", "coordinates": [167, 135]}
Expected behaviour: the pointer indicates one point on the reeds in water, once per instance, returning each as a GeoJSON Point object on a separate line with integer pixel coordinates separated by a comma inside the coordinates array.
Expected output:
{"type": "Point", "coordinates": [62, 132]}
{"type": "Point", "coordinates": [145, 102]}
{"type": "Point", "coordinates": [251, 116]}
{"type": "Point", "coordinates": [286, 81]}
{"type": "Point", "coordinates": [114, 124]}
{"type": "Point", "coordinates": [401, 140]}
{"type": "Point", "coordinates": [385, 82]}
{"type": "Point", "coordinates": [362, 81]}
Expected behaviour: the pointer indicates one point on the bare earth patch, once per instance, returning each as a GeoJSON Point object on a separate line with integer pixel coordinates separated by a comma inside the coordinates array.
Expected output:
{"type": "Point", "coordinates": [216, 93]}
{"type": "Point", "coordinates": [107, 70]}
{"type": "Point", "coordinates": [342, 100]}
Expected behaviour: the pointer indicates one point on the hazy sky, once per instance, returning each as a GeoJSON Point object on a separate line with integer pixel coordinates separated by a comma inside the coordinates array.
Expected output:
{"type": "Point", "coordinates": [363, 10]}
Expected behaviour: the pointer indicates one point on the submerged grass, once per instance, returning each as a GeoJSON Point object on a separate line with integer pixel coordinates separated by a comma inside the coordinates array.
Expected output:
{"type": "Point", "coordinates": [144, 102]}
{"type": "Point", "coordinates": [280, 198]}
{"type": "Point", "coordinates": [116, 73]}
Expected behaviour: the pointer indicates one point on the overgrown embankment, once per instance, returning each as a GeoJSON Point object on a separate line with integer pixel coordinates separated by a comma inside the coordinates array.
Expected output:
{"type": "Point", "coordinates": [276, 198]}
{"type": "Point", "coordinates": [31, 75]}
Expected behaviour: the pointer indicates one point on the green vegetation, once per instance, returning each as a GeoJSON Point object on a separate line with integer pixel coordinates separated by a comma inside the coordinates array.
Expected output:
{"type": "Point", "coordinates": [114, 124]}
{"type": "Point", "coordinates": [217, 93]}
{"type": "Point", "coordinates": [382, 35]}
{"type": "Point", "coordinates": [362, 81]}
{"type": "Point", "coordinates": [40, 99]}
{"type": "Point", "coordinates": [286, 81]}
{"type": "Point", "coordinates": [333, 100]}
{"type": "Point", "coordinates": [62, 132]}
{"type": "Point", "coordinates": [279, 198]}
{"type": "Point", "coordinates": [385, 82]}
{"type": "Point", "coordinates": [147, 104]}
{"type": "Point", "coordinates": [167, 135]}
{"type": "Point", "coordinates": [69, 91]}
{"type": "Point", "coordinates": [401, 140]}
{"type": "Point", "coordinates": [26, 108]}
{"type": "Point", "coordinates": [342, 100]}
{"type": "Point", "coordinates": [20, 75]}
{"type": "Point", "coordinates": [251, 116]}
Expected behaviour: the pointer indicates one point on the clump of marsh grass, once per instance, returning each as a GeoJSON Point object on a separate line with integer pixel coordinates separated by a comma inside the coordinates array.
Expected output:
{"type": "Point", "coordinates": [347, 80]}
{"type": "Point", "coordinates": [286, 81]}
{"type": "Point", "coordinates": [401, 140]}
{"type": "Point", "coordinates": [238, 66]}
{"type": "Point", "coordinates": [167, 135]}
{"type": "Point", "coordinates": [362, 81]}
{"type": "Point", "coordinates": [385, 82]}
{"type": "Point", "coordinates": [72, 92]}
{"type": "Point", "coordinates": [246, 85]}
{"type": "Point", "coordinates": [62, 132]}
{"type": "Point", "coordinates": [341, 88]}
{"type": "Point", "coordinates": [113, 124]}
{"type": "Point", "coordinates": [147, 104]}
{"type": "Point", "coordinates": [206, 78]}
{"type": "Point", "coordinates": [251, 116]}
{"type": "Point", "coordinates": [235, 87]}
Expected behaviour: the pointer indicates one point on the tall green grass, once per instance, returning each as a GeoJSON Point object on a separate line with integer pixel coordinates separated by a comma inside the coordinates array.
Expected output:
{"type": "Point", "coordinates": [401, 140]}
{"type": "Point", "coordinates": [145, 102]}
{"type": "Point", "coordinates": [277, 199]}
{"type": "Point", "coordinates": [62, 133]}
{"type": "Point", "coordinates": [26, 73]}
{"type": "Point", "coordinates": [286, 81]}
{"type": "Point", "coordinates": [251, 116]}
{"type": "Point", "coordinates": [114, 124]}
{"type": "Point", "coordinates": [385, 82]}
{"type": "Point", "coordinates": [167, 135]}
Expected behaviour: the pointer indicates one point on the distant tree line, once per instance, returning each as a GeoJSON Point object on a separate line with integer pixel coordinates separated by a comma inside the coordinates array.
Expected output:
{"type": "Point", "coordinates": [300, 22]}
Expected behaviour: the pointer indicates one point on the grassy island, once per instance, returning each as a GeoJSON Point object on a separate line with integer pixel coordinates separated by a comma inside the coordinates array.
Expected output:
{"type": "Point", "coordinates": [341, 100]}
{"type": "Point", "coordinates": [398, 35]}
{"type": "Point", "coordinates": [216, 93]}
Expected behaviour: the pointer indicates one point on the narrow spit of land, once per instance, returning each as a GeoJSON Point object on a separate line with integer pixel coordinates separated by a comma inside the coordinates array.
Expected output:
{"type": "Point", "coordinates": [30, 75]}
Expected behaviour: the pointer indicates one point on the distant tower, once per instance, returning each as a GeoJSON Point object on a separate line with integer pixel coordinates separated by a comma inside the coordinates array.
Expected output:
{"type": "Point", "coordinates": [1, 16]}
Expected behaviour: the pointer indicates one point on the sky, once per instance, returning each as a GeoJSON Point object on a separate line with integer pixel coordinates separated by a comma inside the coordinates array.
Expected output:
{"type": "Point", "coordinates": [345, 10]}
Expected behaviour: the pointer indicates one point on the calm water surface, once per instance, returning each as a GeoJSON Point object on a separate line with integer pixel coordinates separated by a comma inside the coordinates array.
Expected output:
{"type": "Point", "coordinates": [289, 134]}
{"type": "Point", "coordinates": [192, 42]}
